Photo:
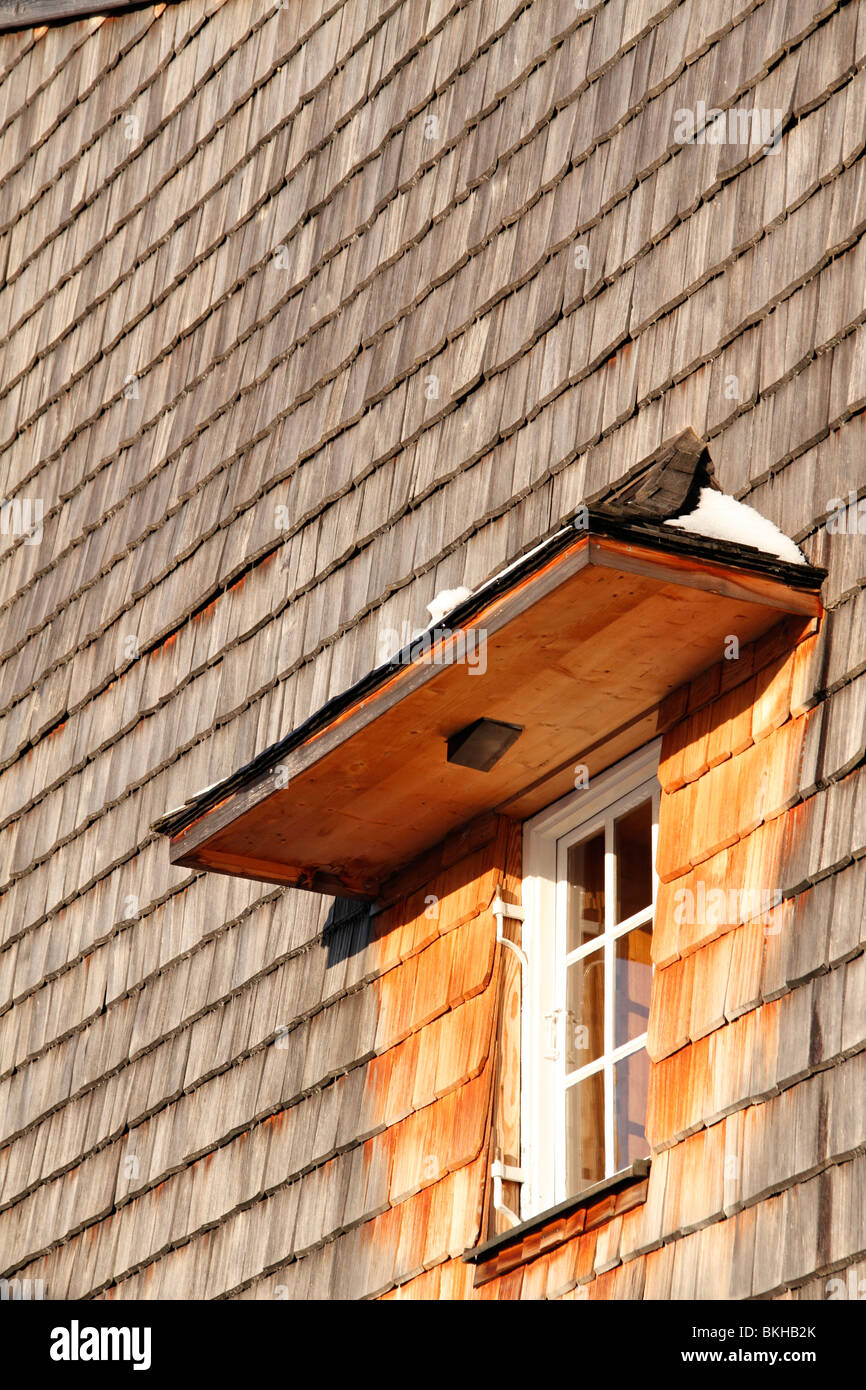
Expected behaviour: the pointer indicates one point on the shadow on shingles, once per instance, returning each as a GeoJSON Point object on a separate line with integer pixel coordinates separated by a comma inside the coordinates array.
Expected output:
{"type": "Point", "coordinates": [346, 930]}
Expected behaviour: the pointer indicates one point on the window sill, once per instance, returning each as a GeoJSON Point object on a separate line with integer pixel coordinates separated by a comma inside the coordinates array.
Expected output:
{"type": "Point", "coordinates": [583, 1212]}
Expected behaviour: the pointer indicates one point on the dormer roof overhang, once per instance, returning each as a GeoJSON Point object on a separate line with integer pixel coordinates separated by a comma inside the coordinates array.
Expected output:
{"type": "Point", "coordinates": [577, 643]}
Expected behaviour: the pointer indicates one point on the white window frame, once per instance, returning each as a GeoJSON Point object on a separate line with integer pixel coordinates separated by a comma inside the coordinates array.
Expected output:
{"type": "Point", "coordinates": [546, 840]}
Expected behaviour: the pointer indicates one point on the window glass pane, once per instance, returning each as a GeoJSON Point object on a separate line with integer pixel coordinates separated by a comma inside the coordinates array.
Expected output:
{"type": "Point", "coordinates": [585, 1131]}
{"type": "Point", "coordinates": [585, 1003]}
{"type": "Point", "coordinates": [630, 1084]}
{"type": "Point", "coordinates": [585, 891]}
{"type": "Point", "coordinates": [632, 844]}
{"type": "Point", "coordinates": [632, 984]}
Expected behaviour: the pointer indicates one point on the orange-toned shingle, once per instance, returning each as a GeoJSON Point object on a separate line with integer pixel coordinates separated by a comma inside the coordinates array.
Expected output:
{"type": "Point", "coordinates": [666, 930]}
{"type": "Point", "coordinates": [744, 979]}
{"type": "Point", "coordinates": [429, 1043]}
{"type": "Point", "coordinates": [377, 1081]}
{"type": "Point", "coordinates": [783, 787]}
{"type": "Point", "coordinates": [428, 1000]}
{"type": "Point", "coordinates": [673, 708]}
{"type": "Point", "coordinates": [670, 1009]}
{"type": "Point", "coordinates": [761, 863]}
{"type": "Point", "coordinates": [740, 1052]}
{"type": "Point", "coordinates": [753, 771]}
{"type": "Point", "coordinates": [675, 814]}
{"type": "Point", "coordinates": [584, 1256]}
{"type": "Point", "coordinates": [658, 1266]}
{"type": "Point", "coordinates": [704, 906]}
{"type": "Point", "coordinates": [468, 1120]}
{"type": "Point", "coordinates": [453, 1222]}
{"type": "Point", "coordinates": [765, 1068]}
{"type": "Point", "coordinates": [710, 1075]}
{"type": "Point", "coordinates": [379, 1241]}
{"type": "Point", "coordinates": [772, 705]}
{"type": "Point", "coordinates": [464, 889]}
{"type": "Point", "coordinates": [482, 1040]}
{"type": "Point", "coordinates": [472, 958]}
{"type": "Point", "coordinates": [731, 726]}
{"type": "Point", "coordinates": [437, 1244]}
{"type": "Point", "coordinates": [467, 1186]}
{"type": "Point", "coordinates": [413, 1233]}
{"type": "Point", "coordinates": [735, 672]}
{"type": "Point", "coordinates": [386, 936]}
{"type": "Point", "coordinates": [670, 772]}
{"type": "Point", "coordinates": [607, 1245]}
{"type": "Point", "coordinates": [505, 1288]}
{"type": "Point", "coordinates": [704, 688]}
{"type": "Point", "coordinates": [712, 968]}
{"type": "Point", "coordinates": [368, 1181]}
{"type": "Point", "coordinates": [402, 1081]}
{"type": "Point", "coordinates": [394, 1002]}
{"type": "Point", "coordinates": [695, 752]}
{"type": "Point", "coordinates": [664, 1099]}
{"type": "Point", "coordinates": [421, 925]}
{"type": "Point", "coordinates": [460, 1044]}
{"type": "Point", "coordinates": [535, 1276]}
{"type": "Point", "coordinates": [424, 1288]}
{"type": "Point", "coordinates": [417, 1160]}
{"type": "Point", "coordinates": [696, 1176]}
{"type": "Point", "coordinates": [439, 1138]}
{"type": "Point", "coordinates": [713, 827]}
{"type": "Point", "coordinates": [560, 1274]}
{"type": "Point", "coordinates": [730, 801]}
{"type": "Point", "coordinates": [451, 1046]}
{"type": "Point", "coordinates": [455, 1281]}
{"type": "Point", "coordinates": [418, 989]}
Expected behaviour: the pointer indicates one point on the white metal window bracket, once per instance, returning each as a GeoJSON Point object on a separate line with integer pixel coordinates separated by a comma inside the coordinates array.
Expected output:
{"type": "Point", "coordinates": [504, 1172]}
{"type": "Point", "coordinates": [501, 910]}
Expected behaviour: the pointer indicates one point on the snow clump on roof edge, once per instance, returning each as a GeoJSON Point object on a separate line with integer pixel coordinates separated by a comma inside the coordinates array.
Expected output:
{"type": "Point", "coordinates": [723, 518]}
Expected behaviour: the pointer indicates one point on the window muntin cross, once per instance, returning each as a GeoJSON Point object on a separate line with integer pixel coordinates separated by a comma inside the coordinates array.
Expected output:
{"type": "Point", "coordinates": [603, 977]}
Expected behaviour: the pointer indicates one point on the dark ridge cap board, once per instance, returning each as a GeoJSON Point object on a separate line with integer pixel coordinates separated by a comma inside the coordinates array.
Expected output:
{"type": "Point", "coordinates": [30, 14]}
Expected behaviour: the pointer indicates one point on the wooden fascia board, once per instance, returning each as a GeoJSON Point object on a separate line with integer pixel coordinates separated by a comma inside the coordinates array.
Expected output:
{"type": "Point", "coordinates": [32, 14]}
{"type": "Point", "coordinates": [712, 576]}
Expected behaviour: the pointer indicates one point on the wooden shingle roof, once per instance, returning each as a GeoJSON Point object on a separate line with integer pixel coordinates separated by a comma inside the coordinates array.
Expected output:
{"type": "Point", "coordinates": [409, 395]}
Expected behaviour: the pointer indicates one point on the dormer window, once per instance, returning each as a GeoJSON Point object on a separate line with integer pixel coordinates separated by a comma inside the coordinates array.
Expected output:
{"type": "Point", "coordinates": [589, 896]}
